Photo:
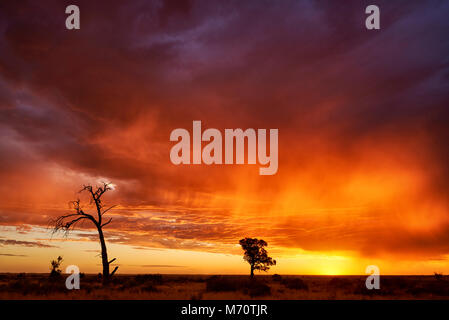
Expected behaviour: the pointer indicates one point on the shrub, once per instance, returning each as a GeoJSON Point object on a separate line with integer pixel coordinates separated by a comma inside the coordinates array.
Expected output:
{"type": "Point", "coordinates": [220, 284]}
{"type": "Point", "coordinates": [364, 291]}
{"type": "Point", "coordinates": [26, 287]}
{"type": "Point", "coordinates": [257, 288]}
{"type": "Point", "coordinates": [295, 284]}
{"type": "Point", "coordinates": [129, 284]}
{"type": "Point", "coordinates": [340, 283]}
{"type": "Point", "coordinates": [55, 267]}
{"type": "Point", "coordinates": [252, 287]}
{"type": "Point", "coordinates": [438, 276]}
{"type": "Point", "coordinates": [148, 287]}
{"type": "Point", "coordinates": [153, 278]}
{"type": "Point", "coordinates": [17, 286]}
{"type": "Point", "coordinates": [276, 277]}
{"type": "Point", "coordinates": [198, 296]}
{"type": "Point", "coordinates": [433, 288]}
{"type": "Point", "coordinates": [395, 282]}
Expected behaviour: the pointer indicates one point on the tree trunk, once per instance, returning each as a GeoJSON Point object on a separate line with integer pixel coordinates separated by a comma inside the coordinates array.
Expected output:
{"type": "Point", "coordinates": [252, 272]}
{"type": "Point", "coordinates": [104, 256]}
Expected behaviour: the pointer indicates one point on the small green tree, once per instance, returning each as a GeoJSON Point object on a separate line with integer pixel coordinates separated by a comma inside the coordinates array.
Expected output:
{"type": "Point", "coordinates": [256, 255]}
{"type": "Point", "coordinates": [55, 267]}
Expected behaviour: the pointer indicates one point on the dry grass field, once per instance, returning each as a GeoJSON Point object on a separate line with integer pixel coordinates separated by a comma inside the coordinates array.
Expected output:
{"type": "Point", "coordinates": [198, 287]}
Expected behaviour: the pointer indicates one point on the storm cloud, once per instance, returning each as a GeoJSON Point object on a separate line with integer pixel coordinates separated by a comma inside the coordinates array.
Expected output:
{"type": "Point", "coordinates": [362, 118]}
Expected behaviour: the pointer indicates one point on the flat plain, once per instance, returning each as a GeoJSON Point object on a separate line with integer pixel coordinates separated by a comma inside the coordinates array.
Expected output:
{"type": "Point", "coordinates": [224, 287]}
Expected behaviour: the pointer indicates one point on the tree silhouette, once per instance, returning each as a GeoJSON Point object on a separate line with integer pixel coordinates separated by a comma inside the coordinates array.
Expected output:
{"type": "Point", "coordinates": [55, 267]}
{"type": "Point", "coordinates": [256, 255]}
{"type": "Point", "coordinates": [67, 222]}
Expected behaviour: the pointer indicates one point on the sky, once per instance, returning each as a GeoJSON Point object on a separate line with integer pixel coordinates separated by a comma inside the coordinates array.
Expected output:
{"type": "Point", "coordinates": [362, 115]}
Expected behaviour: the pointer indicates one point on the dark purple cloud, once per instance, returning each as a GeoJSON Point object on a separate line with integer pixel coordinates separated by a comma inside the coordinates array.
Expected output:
{"type": "Point", "coordinates": [101, 102]}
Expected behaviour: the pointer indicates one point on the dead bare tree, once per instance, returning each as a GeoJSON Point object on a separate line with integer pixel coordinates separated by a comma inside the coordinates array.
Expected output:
{"type": "Point", "coordinates": [67, 222]}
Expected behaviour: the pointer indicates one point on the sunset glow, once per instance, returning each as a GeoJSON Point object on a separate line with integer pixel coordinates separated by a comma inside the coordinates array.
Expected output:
{"type": "Point", "coordinates": [363, 128]}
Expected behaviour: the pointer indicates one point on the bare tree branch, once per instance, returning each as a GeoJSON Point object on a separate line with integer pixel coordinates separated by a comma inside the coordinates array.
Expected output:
{"type": "Point", "coordinates": [115, 269]}
{"type": "Point", "coordinates": [106, 223]}
{"type": "Point", "coordinates": [68, 222]}
{"type": "Point", "coordinates": [111, 207]}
